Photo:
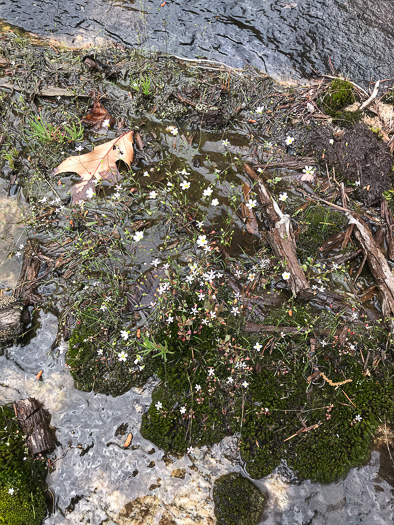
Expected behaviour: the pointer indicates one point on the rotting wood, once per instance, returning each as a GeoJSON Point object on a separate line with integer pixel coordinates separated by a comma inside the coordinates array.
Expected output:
{"type": "Point", "coordinates": [377, 264]}
{"type": "Point", "coordinates": [280, 234]}
{"type": "Point", "coordinates": [34, 422]}
{"type": "Point", "coordinates": [248, 213]}
{"type": "Point", "coordinates": [11, 321]}
{"type": "Point", "coordinates": [386, 214]}
{"type": "Point", "coordinates": [290, 163]}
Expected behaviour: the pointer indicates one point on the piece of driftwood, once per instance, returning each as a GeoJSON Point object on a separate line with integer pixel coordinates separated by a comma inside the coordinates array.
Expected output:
{"type": "Point", "coordinates": [377, 264]}
{"type": "Point", "coordinates": [248, 214]}
{"type": "Point", "coordinates": [11, 323]}
{"type": "Point", "coordinates": [289, 163]}
{"type": "Point", "coordinates": [388, 218]}
{"type": "Point", "coordinates": [34, 422]}
{"type": "Point", "coordinates": [280, 234]}
{"type": "Point", "coordinates": [25, 291]}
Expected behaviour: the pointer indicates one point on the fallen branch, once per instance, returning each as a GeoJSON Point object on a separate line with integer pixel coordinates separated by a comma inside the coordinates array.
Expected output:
{"type": "Point", "coordinates": [372, 97]}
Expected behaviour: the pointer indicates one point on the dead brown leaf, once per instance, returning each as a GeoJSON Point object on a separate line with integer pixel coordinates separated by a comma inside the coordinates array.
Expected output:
{"type": "Point", "coordinates": [99, 164]}
{"type": "Point", "coordinates": [98, 117]}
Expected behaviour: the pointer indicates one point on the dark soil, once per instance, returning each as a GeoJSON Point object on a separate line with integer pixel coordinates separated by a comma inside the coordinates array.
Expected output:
{"type": "Point", "coordinates": [359, 156]}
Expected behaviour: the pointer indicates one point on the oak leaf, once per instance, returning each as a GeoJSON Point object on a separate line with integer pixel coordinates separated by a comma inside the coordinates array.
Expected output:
{"type": "Point", "coordinates": [99, 164]}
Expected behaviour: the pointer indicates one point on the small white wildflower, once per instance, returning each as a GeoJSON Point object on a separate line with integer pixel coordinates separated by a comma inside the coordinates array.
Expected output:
{"type": "Point", "coordinates": [146, 174]}
{"type": "Point", "coordinates": [155, 262]}
{"type": "Point", "coordinates": [235, 310]}
{"type": "Point", "coordinates": [174, 131]}
{"type": "Point", "coordinates": [258, 347]}
{"type": "Point", "coordinates": [251, 276]}
{"type": "Point", "coordinates": [283, 197]}
{"type": "Point", "coordinates": [230, 380]}
{"type": "Point", "coordinates": [245, 384]}
{"type": "Point", "coordinates": [331, 141]}
{"type": "Point", "coordinates": [190, 450]}
{"type": "Point", "coordinates": [289, 140]}
{"type": "Point", "coordinates": [286, 276]}
{"type": "Point", "coordinates": [124, 335]}
{"type": "Point", "coordinates": [202, 241]}
{"type": "Point", "coordinates": [259, 110]}
{"type": "Point", "coordinates": [153, 195]}
{"type": "Point", "coordinates": [18, 254]}
{"type": "Point", "coordinates": [159, 405]}
{"type": "Point", "coordinates": [251, 204]}
{"type": "Point", "coordinates": [309, 170]}
{"type": "Point", "coordinates": [79, 148]}
{"type": "Point", "coordinates": [358, 418]}
{"type": "Point", "coordinates": [207, 192]}
{"type": "Point", "coordinates": [182, 410]}
{"type": "Point", "coordinates": [323, 343]}
{"type": "Point", "coordinates": [11, 491]}
{"type": "Point", "coordinates": [170, 319]}
{"type": "Point", "coordinates": [138, 236]}
{"type": "Point", "coordinates": [200, 225]}
{"type": "Point", "coordinates": [122, 356]}
{"type": "Point", "coordinates": [103, 307]}
{"type": "Point", "coordinates": [211, 371]}
{"type": "Point", "coordinates": [106, 123]}
{"type": "Point", "coordinates": [201, 296]}
{"type": "Point", "coordinates": [100, 351]}
{"type": "Point", "coordinates": [189, 278]}
{"type": "Point", "coordinates": [357, 183]}
{"type": "Point", "coordinates": [198, 388]}
{"type": "Point", "coordinates": [21, 246]}
{"type": "Point", "coordinates": [185, 185]}
{"type": "Point", "coordinates": [225, 142]}
{"type": "Point", "coordinates": [214, 202]}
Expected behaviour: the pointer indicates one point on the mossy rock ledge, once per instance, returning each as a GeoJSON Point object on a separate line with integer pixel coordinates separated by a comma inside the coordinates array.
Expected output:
{"type": "Point", "coordinates": [237, 500]}
{"type": "Point", "coordinates": [22, 478]}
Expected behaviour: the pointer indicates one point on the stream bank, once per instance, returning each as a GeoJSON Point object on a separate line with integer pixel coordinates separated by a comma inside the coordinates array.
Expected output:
{"type": "Point", "coordinates": [198, 127]}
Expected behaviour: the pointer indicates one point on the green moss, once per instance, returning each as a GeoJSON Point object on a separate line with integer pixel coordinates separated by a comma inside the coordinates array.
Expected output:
{"type": "Point", "coordinates": [237, 501]}
{"type": "Point", "coordinates": [317, 224]}
{"type": "Point", "coordinates": [338, 95]}
{"type": "Point", "coordinates": [93, 357]}
{"type": "Point", "coordinates": [22, 479]}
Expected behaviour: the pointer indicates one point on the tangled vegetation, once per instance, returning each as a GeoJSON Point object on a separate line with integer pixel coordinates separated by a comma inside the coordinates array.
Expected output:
{"type": "Point", "coordinates": [163, 274]}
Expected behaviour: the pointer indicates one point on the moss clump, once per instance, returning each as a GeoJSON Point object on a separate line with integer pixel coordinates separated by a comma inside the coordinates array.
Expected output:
{"type": "Point", "coordinates": [22, 479]}
{"type": "Point", "coordinates": [93, 356]}
{"type": "Point", "coordinates": [237, 501]}
{"type": "Point", "coordinates": [317, 224]}
{"type": "Point", "coordinates": [338, 95]}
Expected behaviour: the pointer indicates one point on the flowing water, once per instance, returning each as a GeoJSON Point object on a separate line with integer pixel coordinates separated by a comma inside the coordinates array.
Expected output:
{"type": "Point", "coordinates": [286, 39]}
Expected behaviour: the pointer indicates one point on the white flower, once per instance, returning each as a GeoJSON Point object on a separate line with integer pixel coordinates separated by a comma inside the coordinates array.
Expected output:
{"type": "Point", "coordinates": [251, 204]}
{"type": "Point", "coordinates": [156, 262]}
{"type": "Point", "coordinates": [189, 278]}
{"type": "Point", "coordinates": [201, 296]}
{"type": "Point", "coordinates": [170, 185]}
{"type": "Point", "coordinates": [212, 314]}
{"type": "Point", "coordinates": [200, 225]}
{"type": "Point", "coordinates": [225, 142]}
{"type": "Point", "coordinates": [358, 418]}
{"type": "Point", "coordinates": [79, 148]}
{"type": "Point", "coordinates": [159, 405]}
{"type": "Point", "coordinates": [283, 197]}
{"type": "Point", "coordinates": [182, 410]}
{"type": "Point", "coordinates": [21, 246]}
{"type": "Point", "coordinates": [194, 310]}
{"type": "Point", "coordinates": [138, 236]}
{"type": "Point", "coordinates": [174, 131]}
{"type": "Point", "coordinates": [202, 241]}
{"type": "Point", "coordinates": [198, 388]}
{"type": "Point", "coordinates": [251, 276]}
{"type": "Point", "coordinates": [286, 276]}
{"type": "Point", "coordinates": [166, 266]}
{"type": "Point", "coordinates": [230, 380]}
{"type": "Point", "coordinates": [309, 170]}
{"type": "Point", "coordinates": [258, 347]}
{"type": "Point", "coordinates": [215, 202]}
{"type": "Point", "coordinates": [152, 195]}
{"type": "Point", "coordinates": [245, 384]}
{"type": "Point", "coordinates": [124, 335]}
{"type": "Point", "coordinates": [122, 356]}
{"type": "Point", "coordinates": [146, 174]}
{"type": "Point", "coordinates": [259, 110]}
{"type": "Point", "coordinates": [331, 141]}
{"type": "Point", "coordinates": [357, 183]}
{"type": "Point", "coordinates": [235, 310]}
{"type": "Point", "coordinates": [11, 491]}
{"type": "Point", "coordinates": [100, 351]}
{"type": "Point", "coordinates": [209, 276]}
{"type": "Point", "coordinates": [103, 307]}
{"type": "Point", "coordinates": [289, 140]}
{"type": "Point", "coordinates": [190, 450]}
{"type": "Point", "coordinates": [323, 343]}
{"type": "Point", "coordinates": [18, 254]}
{"type": "Point", "coordinates": [211, 371]}
{"type": "Point", "coordinates": [207, 192]}
{"type": "Point", "coordinates": [204, 321]}
{"type": "Point", "coordinates": [163, 288]}
{"type": "Point", "coordinates": [105, 123]}
{"type": "Point", "coordinates": [185, 185]}
{"type": "Point", "coordinates": [170, 319]}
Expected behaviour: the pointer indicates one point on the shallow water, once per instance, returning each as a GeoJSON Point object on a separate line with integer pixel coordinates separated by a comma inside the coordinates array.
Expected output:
{"type": "Point", "coordinates": [93, 466]}
{"type": "Point", "coordinates": [287, 42]}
